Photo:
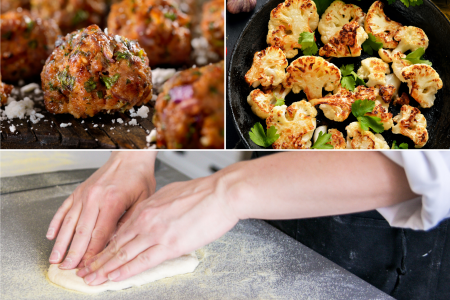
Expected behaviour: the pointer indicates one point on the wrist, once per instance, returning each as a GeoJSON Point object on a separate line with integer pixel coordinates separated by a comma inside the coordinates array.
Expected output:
{"type": "Point", "coordinates": [233, 185]}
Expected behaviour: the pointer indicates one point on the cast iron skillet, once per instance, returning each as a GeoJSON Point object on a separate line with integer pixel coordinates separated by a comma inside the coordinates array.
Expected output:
{"type": "Point", "coordinates": [426, 16]}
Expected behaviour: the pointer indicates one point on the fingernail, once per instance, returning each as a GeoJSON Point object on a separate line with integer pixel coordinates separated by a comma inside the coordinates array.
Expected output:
{"type": "Point", "coordinates": [54, 257]}
{"type": "Point", "coordinates": [91, 277]}
{"type": "Point", "coordinates": [50, 232]}
{"type": "Point", "coordinates": [66, 263]}
{"type": "Point", "coordinates": [114, 275]}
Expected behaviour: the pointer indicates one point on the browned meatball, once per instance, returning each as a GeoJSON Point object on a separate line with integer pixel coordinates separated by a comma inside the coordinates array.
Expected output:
{"type": "Point", "coordinates": [189, 111]}
{"type": "Point", "coordinates": [90, 72]}
{"type": "Point", "coordinates": [71, 14]}
{"type": "Point", "coordinates": [26, 42]}
{"type": "Point", "coordinates": [212, 25]}
{"type": "Point", "coordinates": [5, 91]}
{"type": "Point", "coordinates": [160, 27]}
{"type": "Point", "coordinates": [7, 5]}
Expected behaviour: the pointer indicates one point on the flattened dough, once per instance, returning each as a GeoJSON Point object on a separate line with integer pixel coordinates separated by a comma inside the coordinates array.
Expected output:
{"type": "Point", "coordinates": [69, 280]}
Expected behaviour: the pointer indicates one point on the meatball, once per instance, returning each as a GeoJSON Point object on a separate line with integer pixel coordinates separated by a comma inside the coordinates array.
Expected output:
{"type": "Point", "coordinates": [7, 5]}
{"type": "Point", "coordinates": [189, 112]}
{"type": "Point", "coordinates": [212, 25]}
{"type": "Point", "coordinates": [160, 27]}
{"type": "Point", "coordinates": [5, 91]}
{"type": "Point", "coordinates": [90, 72]}
{"type": "Point", "coordinates": [71, 14]}
{"type": "Point", "coordinates": [26, 42]}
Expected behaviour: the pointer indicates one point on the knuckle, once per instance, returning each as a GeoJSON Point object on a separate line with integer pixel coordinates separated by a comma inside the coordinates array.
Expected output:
{"type": "Point", "coordinates": [82, 230]}
{"type": "Point", "coordinates": [68, 220]}
{"type": "Point", "coordinates": [144, 258]}
{"type": "Point", "coordinates": [112, 246]}
{"type": "Point", "coordinates": [99, 234]}
{"type": "Point", "coordinates": [122, 255]}
{"type": "Point", "coordinates": [125, 270]}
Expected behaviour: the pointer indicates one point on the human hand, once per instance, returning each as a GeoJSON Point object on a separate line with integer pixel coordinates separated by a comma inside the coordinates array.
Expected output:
{"type": "Point", "coordinates": [92, 212]}
{"type": "Point", "coordinates": [176, 220]}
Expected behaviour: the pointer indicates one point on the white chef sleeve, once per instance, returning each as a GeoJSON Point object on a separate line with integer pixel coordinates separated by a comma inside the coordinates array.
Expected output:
{"type": "Point", "coordinates": [428, 174]}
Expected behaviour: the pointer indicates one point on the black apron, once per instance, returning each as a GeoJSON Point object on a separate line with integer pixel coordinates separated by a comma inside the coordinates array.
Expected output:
{"type": "Point", "coordinates": [404, 263]}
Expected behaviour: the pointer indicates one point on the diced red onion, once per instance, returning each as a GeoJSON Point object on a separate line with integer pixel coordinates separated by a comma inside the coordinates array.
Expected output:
{"type": "Point", "coordinates": [180, 93]}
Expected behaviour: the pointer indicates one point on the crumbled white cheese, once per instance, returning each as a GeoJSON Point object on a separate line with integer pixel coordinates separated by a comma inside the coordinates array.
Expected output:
{"type": "Point", "coordinates": [120, 121]}
{"type": "Point", "coordinates": [19, 109]}
{"type": "Point", "coordinates": [82, 122]}
{"type": "Point", "coordinates": [29, 87]}
{"type": "Point", "coordinates": [12, 128]}
{"type": "Point", "coordinates": [113, 121]}
{"type": "Point", "coordinates": [133, 122]}
{"type": "Point", "coordinates": [106, 30]}
{"type": "Point", "coordinates": [160, 76]}
{"type": "Point", "coordinates": [65, 125]}
{"type": "Point", "coordinates": [151, 137]}
{"type": "Point", "coordinates": [95, 125]}
{"type": "Point", "coordinates": [142, 112]}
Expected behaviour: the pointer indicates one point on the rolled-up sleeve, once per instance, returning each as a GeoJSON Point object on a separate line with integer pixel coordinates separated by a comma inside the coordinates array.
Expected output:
{"type": "Point", "coordinates": [428, 174]}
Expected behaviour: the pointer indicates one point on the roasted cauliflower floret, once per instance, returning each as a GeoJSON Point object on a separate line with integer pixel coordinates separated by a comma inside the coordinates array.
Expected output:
{"type": "Point", "coordinates": [336, 107]}
{"type": "Point", "coordinates": [393, 80]}
{"type": "Point", "coordinates": [423, 82]}
{"type": "Point", "coordinates": [311, 74]}
{"type": "Point", "coordinates": [336, 16]}
{"type": "Point", "coordinates": [346, 43]}
{"type": "Point", "coordinates": [288, 20]}
{"type": "Point", "coordinates": [411, 123]}
{"type": "Point", "coordinates": [295, 125]}
{"type": "Point", "coordinates": [337, 139]}
{"type": "Point", "coordinates": [262, 102]}
{"type": "Point", "coordinates": [360, 139]}
{"type": "Point", "coordinates": [375, 70]}
{"type": "Point", "coordinates": [268, 68]}
{"type": "Point", "coordinates": [398, 64]}
{"type": "Point", "coordinates": [410, 38]}
{"type": "Point", "coordinates": [380, 26]}
{"type": "Point", "coordinates": [382, 96]}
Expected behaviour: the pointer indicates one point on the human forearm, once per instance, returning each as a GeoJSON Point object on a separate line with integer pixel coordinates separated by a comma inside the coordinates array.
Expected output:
{"type": "Point", "coordinates": [311, 184]}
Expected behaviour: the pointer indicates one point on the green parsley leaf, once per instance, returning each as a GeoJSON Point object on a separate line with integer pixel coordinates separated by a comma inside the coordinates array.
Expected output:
{"type": "Point", "coordinates": [349, 78]}
{"type": "Point", "coordinates": [100, 94]}
{"type": "Point", "coordinates": [170, 15]}
{"type": "Point", "coordinates": [359, 109]}
{"type": "Point", "coordinates": [358, 80]}
{"type": "Point", "coordinates": [348, 82]}
{"type": "Point", "coordinates": [67, 81]}
{"type": "Point", "coordinates": [347, 70]}
{"type": "Point", "coordinates": [110, 81]}
{"type": "Point", "coordinates": [309, 46]}
{"type": "Point", "coordinates": [122, 55]}
{"type": "Point", "coordinates": [259, 137]}
{"type": "Point", "coordinates": [33, 44]}
{"type": "Point", "coordinates": [322, 141]}
{"type": "Point", "coordinates": [280, 101]}
{"type": "Point", "coordinates": [90, 85]}
{"type": "Point", "coordinates": [80, 16]}
{"type": "Point", "coordinates": [371, 44]}
{"type": "Point", "coordinates": [401, 146]}
{"type": "Point", "coordinates": [367, 122]}
{"type": "Point", "coordinates": [30, 26]}
{"type": "Point", "coordinates": [322, 5]}
{"type": "Point", "coordinates": [415, 57]}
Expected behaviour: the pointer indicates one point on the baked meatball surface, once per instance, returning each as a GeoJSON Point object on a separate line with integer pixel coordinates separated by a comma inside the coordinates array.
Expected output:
{"type": "Point", "coordinates": [5, 91]}
{"type": "Point", "coordinates": [7, 5]}
{"type": "Point", "coordinates": [159, 26]}
{"type": "Point", "coordinates": [90, 72]}
{"type": "Point", "coordinates": [26, 42]}
{"type": "Point", "coordinates": [213, 25]}
{"type": "Point", "coordinates": [71, 14]}
{"type": "Point", "coordinates": [189, 111]}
